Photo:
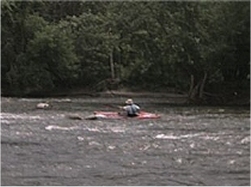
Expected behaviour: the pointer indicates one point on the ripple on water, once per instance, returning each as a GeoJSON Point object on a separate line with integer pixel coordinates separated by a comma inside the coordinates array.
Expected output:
{"type": "Point", "coordinates": [7, 116]}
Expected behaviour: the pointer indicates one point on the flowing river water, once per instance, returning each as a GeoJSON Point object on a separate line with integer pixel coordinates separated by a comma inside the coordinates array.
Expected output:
{"type": "Point", "coordinates": [186, 146]}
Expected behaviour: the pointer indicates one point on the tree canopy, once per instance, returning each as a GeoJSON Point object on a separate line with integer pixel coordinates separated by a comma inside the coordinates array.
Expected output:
{"type": "Point", "coordinates": [195, 47]}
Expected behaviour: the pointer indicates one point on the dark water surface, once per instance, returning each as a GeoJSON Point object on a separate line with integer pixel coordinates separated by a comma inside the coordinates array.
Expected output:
{"type": "Point", "coordinates": [187, 146]}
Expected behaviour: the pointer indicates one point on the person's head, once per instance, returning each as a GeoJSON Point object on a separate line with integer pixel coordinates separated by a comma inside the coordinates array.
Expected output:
{"type": "Point", "coordinates": [129, 102]}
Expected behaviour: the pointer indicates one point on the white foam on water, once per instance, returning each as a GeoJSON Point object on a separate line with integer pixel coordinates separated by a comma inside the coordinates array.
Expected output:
{"type": "Point", "coordinates": [111, 147]}
{"type": "Point", "coordinates": [62, 100]}
{"type": "Point", "coordinates": [80, 138]}
{"type": "Point", "coordinates": [174, 137]}
{"type": "Point", "coordinates": [18, 116]}
{"type": "Point", "coordinates": [105, 130]}
{"type": "Point", "coordinates": [45, 99]}
{"type": "Point", "coordinates": [207, 137]}
{"type": "Point", "coordinates": [163, 136]}
{"type": "Point", "coordinates": [204, 136]}
{"type": "Point", "coordinates": [230, 162]}
{"type": "Point", "coordinates": [31, 100]}
{"type": "Point", "coordinates": [24, 133]}
{"type": "Point", "coordinates": [7, 121]}
{"type": "Point", "coordinates": [94, 143]}
{"type": "Point", "coordinates": [55, 127]}
{"type": "Point", "coordinates": [93, 129]}
{"type": "Point", "coordinates": [117, 129]}
{"type": "Point", "coordinates": [245, 140]}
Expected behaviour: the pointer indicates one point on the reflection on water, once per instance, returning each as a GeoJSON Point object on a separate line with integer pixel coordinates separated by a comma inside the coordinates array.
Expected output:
{"type": "Point", "coordinates": [187, 146]}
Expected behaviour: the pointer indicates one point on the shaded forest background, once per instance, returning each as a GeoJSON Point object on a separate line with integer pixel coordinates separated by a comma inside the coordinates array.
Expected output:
{"type": "Point", "coordinates": [201, 49]}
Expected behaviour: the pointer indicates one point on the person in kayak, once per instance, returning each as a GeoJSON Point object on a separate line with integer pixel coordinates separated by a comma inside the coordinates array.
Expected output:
{"type": "Point", "coordinates": [130, 108]}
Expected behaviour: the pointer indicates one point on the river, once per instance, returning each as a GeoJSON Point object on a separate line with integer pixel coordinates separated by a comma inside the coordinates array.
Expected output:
{"type": "Point", "coordinates": [186, 146]}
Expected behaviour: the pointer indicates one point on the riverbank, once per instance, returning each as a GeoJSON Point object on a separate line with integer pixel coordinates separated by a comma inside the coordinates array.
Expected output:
{"type": "Point", "coordinates": [172, 97]}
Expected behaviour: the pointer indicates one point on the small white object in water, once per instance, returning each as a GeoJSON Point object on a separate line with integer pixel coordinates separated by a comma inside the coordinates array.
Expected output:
{"type": "Point", "coordinates": [179, 160]}
{"type": "Point", "coordinates": [192, 145]}
{"type": "Point", "coordinates": [80, 138]}
{"type": "Point", "coordinates": [111, 147]}
{"type": "Point", "coordinates": [231, 161]}
{"type": "Point", "coordinates": [245, 140]}
{"type": "Point", "coordinates": [42, 105]}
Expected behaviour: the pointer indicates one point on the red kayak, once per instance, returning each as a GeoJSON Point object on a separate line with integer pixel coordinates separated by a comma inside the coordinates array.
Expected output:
{"type": "Point", "coordinates": [116, 115]}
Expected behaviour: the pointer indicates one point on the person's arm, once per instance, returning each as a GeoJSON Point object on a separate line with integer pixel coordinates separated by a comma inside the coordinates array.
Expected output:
{"type": "Point", "coordinates": [138, 108]}
{"type": "Point", "coordinates": [123, 107]}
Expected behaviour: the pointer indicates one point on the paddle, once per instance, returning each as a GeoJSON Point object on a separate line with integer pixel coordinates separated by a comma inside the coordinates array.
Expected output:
{"type": "Point", "coordinates": [113, 107]}
{"type": "Point", "coordinates": [118, 108]}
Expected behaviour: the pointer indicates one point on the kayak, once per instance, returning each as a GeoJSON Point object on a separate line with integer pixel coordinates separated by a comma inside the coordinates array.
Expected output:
{"type": "Point", "coordinates": [116, 115]}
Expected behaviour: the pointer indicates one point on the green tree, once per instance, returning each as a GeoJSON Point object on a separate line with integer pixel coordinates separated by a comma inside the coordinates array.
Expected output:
{"type": "Point", "coordinates": [15, 34]}
{"type": "Point", "coordinates": [51, 58]}
{"type": "Point", "coordinates": [195, 47]}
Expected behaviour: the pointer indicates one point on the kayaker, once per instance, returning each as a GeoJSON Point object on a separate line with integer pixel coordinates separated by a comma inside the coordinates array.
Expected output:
{"type": "Point", "coordinates": [131, 109]}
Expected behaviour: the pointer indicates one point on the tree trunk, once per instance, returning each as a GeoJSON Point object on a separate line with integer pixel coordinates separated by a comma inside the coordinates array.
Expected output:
{"type": "Point", "coordinates": [191, 85]}
{"type": "Point", "coordinates": [112, 65]}
{"type": "Point", "coordinates": [202, 85]}
{"type": "Point", "coordinates": [197, 88]}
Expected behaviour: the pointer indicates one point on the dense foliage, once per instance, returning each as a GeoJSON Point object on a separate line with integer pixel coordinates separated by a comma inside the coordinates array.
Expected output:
{"type": "Point", "coordinates": [193, 47]}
